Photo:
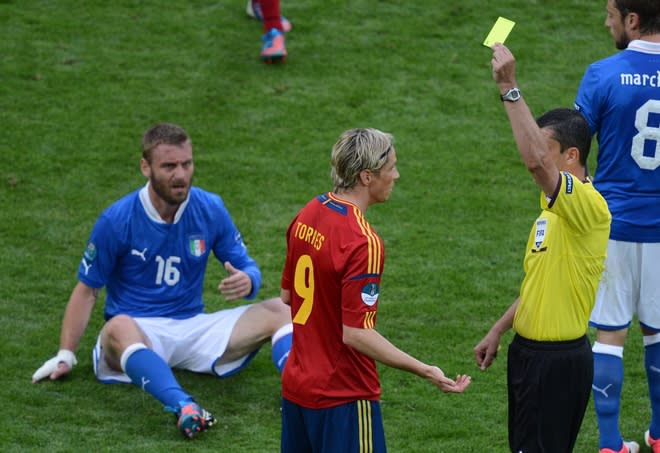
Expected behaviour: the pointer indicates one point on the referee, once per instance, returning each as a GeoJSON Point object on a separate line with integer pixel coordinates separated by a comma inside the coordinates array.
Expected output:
{"type": "Point", "coordinates": [550, 363]}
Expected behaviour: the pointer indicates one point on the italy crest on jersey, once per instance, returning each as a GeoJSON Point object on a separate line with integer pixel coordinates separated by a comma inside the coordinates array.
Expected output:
{"type": "Point", "coordinates": [196, 245]}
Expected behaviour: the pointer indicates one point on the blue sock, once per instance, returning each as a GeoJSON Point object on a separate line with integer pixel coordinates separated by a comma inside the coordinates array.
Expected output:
{"type": "Point", "coordinates": [606, 390]}
{"type": "Point", "coordinates": [281, 345]}
{"type": "Point", "coordinates": [652, 365]}
{"type": "Point", "coordinates": [152, 374]}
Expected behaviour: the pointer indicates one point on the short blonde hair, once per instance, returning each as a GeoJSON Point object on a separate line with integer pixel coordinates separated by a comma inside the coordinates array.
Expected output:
{"type": "Point", "coordinates": [357, 150]}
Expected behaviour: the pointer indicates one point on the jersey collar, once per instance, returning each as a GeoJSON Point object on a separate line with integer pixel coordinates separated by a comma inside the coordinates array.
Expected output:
{"type": "Point", "coordinates": [151, 211]}
{"type": "Point", "coordinates": [641, 45]}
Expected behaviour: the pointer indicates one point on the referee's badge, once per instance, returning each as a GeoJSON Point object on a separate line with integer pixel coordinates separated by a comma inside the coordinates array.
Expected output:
{"type": "Point", "coordinates": [541, 227]}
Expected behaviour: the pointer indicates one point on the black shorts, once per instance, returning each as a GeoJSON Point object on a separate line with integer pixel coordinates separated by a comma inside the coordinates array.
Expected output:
{"type": "Point", "coordinates": [549, 384]}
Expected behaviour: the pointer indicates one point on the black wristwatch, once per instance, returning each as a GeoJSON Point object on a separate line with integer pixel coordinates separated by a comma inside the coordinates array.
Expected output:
{"type": "Point", "coordinates": [512, 95]}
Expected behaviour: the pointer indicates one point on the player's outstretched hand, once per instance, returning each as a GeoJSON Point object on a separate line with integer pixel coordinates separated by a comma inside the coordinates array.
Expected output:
{"type": "Point", "coordinates": [56, 367]}
{"type": "Point", "coordinates": [446, 384]}
{"type": "Point", "coordinates": [457, 386]}
{"type": "Point", "coordinates": [486, 350]}
{"type": "Point", "coordinates": [237, 285]}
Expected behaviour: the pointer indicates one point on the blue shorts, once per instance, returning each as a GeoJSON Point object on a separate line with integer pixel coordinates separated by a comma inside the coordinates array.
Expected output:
{"type": "Point", "coordinates": [355, 427]}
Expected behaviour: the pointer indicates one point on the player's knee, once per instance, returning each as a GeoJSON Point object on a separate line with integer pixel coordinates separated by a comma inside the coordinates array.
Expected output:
{"type": "Point", "coordinates": [117, 324]}
{"type": "Point", "coordinates": [120, 331]}
{"type": "Point", "coordinates": [278, 308]}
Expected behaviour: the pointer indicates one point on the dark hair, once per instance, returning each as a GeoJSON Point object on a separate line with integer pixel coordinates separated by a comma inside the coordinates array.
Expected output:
{"type": "Point", "coordinates": [647, 10]}
{"type": "Point", "coordinates": [570, 129]}
{"type": "Point", "coordinates": [163, 133]}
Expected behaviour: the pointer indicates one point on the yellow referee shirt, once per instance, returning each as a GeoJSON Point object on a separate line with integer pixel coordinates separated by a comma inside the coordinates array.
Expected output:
{"type": "Point", "coordinates": [564, 262]}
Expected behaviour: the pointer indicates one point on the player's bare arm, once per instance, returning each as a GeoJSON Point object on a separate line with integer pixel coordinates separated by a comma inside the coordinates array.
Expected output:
{"type": "Point", "coordinates": [285, 295]}
{"type": "Point", "coordinates": [76, 318]}
{"type": "Point", "coordinates": [379, 348]}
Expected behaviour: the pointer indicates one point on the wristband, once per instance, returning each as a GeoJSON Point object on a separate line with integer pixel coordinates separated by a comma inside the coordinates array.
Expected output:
{"type": "Point", "coordinates": [66, 356]}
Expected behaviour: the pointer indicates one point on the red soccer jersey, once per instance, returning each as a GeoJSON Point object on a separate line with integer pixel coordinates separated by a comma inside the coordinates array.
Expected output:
{"type": "Point", "coordinates": [333, 269]}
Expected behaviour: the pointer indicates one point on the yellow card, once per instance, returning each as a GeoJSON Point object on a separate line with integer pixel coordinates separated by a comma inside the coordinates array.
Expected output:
{"type": "Point", "coordinates": [499, 32]}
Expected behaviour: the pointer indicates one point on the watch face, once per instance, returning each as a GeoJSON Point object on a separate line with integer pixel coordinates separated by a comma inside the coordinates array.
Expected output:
{"type": "Point", "coordinates": [512, 95]}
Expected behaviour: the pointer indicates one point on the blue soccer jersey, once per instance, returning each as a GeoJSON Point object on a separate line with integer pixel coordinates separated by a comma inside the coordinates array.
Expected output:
{"type": "Point", "coordinates": [152, 268]}
{"type": "Point", "coordinates": [620, 98]}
